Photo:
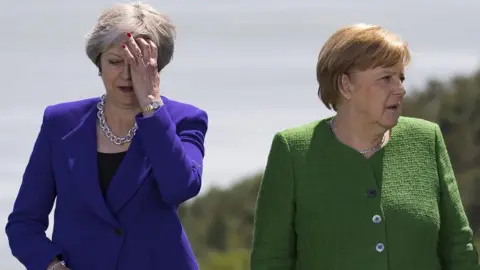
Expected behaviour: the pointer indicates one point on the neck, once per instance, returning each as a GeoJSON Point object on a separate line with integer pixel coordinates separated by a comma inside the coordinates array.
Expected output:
{"type": "Point", "coordinates": [120, 120]}
{"type": "Point", "coordinates": [356, 132]}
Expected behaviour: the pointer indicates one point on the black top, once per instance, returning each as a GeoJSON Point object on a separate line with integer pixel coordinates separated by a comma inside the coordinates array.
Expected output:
{"type": "Point", "coordinates": [108, 164]}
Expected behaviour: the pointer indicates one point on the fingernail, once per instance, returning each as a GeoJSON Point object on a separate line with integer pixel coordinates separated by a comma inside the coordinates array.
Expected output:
{"type": "Point", "coordinates": [129, 35]}
{"type": "Point", "coordinates": [123, 46]}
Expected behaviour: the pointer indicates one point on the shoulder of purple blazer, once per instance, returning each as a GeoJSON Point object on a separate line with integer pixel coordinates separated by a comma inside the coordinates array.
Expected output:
{"type": "Point", "coordinates": [178, 111]}
{"type": "Point", "coordinates": [70, 109]}
{"type": "Point", "coordinates": [65, 116]}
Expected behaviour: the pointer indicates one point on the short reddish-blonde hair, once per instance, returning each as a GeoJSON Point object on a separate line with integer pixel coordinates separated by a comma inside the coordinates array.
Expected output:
{"type": "Point", "coordinates": [356, 47]}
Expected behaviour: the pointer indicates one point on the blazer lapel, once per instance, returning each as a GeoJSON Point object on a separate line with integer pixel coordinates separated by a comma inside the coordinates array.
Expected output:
{"type": "Point", "coordinates": [129, 177]}
{"type": "Point", "coordinates": [81, 148]}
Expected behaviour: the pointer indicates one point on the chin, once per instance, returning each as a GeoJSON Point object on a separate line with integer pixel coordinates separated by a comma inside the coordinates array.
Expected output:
{"type": "Point", "coordinates": [127, 96]}
{"type": "Point", "coordinates": [126, 101]}
{"type": "Point", "coordinates": [390, 118]}
{"type": "Point", "coordinates": [389, 123]}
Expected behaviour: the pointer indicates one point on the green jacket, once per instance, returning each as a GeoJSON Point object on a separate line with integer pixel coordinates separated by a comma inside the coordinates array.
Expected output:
{"type": "Point", "coordinates": [324, 206]}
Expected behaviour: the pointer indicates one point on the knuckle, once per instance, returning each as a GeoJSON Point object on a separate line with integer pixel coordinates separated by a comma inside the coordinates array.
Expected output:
{"type": "Point", "coordinates": [152, 65]}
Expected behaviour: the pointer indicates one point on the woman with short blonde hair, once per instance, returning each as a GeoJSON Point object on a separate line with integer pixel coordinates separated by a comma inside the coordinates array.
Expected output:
{"type": "Point", "coordinates": [367, 188]}
{"type": "Point", "coordinates": [359, 47]}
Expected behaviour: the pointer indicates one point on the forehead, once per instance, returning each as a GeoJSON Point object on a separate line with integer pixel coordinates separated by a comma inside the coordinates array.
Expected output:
{"type": "Point", "coordinates": [389, 70]}
{"type": "Point", "coordinates": [114, 50]}
{"type": "Point", "coordinates": [116, 47]}
{"type": "Point", "coordinates": [398, 69]}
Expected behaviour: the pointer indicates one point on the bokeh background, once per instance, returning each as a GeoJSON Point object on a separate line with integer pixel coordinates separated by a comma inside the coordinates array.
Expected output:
{"type": "Point", "coordinates": [251, 65]}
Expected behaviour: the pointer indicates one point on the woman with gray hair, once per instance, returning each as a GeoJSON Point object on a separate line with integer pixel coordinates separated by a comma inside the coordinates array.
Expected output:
{"type": "Point", "coordinates": [119, 165]}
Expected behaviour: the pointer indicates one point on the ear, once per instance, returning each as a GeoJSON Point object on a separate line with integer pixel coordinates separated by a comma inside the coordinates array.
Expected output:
{"type": "Point", "coordinates": [345, 86]}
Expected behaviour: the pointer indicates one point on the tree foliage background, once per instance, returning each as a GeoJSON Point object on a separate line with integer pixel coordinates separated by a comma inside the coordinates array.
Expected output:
{"type": "Point", "coordinates": [220, 223]}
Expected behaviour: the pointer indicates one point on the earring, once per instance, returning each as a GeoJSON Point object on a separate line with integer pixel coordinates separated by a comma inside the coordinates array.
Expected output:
{"type": "Point", "coordinates": [99, 73]}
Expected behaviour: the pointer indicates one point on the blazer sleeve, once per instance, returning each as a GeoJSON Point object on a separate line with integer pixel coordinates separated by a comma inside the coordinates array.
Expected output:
{"type": "Point", "coordinates": [456, 244]}
{"type": "Point", "coordinates": [274, 240]}
{"type": "Point", "coordinates": [28, 222]}
{"type": "Point", "coordinates": [176, 152]}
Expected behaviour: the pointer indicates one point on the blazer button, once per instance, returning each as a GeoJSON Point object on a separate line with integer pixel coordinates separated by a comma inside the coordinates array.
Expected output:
{"type": "Point", "coordinates": [377, 219]}
{"type": "Point", "coordinates": [380, 247]}
{"type": "Point", "coordinates": [118, 231]}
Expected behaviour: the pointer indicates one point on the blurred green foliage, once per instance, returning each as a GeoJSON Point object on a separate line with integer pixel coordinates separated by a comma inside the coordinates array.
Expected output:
{"type": "Point", "coordinates": [220, 223]}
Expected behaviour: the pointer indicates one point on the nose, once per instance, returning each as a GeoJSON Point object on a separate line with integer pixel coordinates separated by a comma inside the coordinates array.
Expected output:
{"type": "Point", "coordinates": [126, 74]}
{"type": "Point", "coordinates": [398, 88]}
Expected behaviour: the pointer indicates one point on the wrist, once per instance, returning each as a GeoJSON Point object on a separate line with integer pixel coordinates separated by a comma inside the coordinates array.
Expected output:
{"type": "Point", "coordinates": [150, 107]}
{"type": "Point", "coordinates": [145, 101]}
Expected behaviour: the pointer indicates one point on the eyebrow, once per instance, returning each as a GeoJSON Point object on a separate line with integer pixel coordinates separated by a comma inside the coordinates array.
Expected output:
{"type": "Point", "coordinates": [391, 72]}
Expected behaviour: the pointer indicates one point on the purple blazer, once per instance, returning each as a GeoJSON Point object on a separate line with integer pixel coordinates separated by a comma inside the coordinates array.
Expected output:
{"type": "Point", "coordinates": [135, 226]}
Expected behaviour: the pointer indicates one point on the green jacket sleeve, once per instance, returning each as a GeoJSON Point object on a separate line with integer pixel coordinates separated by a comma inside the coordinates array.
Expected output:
{"type": "Point", "coordinates": [274, 236]}
{"type": "Point", "coordinates": [456, 246]}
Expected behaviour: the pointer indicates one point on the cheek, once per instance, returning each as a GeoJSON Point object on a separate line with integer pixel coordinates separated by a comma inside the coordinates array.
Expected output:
{"type": "Point", "coordinates": [377, 100]}
{"type": "Point", "coordinates": [109, 76]}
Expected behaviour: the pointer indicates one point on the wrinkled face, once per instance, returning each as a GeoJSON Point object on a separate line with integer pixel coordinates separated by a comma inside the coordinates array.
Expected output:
{"type": "Point", "coordinates": [377, 94]}
{"type": "Point", "coordinates": [117, 78]}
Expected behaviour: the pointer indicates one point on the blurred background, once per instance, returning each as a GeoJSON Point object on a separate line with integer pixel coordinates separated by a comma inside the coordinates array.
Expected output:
{"type": "Point", "coordinates": [251, 65]}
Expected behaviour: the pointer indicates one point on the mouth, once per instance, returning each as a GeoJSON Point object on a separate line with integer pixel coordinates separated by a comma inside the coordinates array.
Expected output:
{"type": "Point", "coordinates": [126, 89]}
{"type": "Point", "coordinates": [393, 107]}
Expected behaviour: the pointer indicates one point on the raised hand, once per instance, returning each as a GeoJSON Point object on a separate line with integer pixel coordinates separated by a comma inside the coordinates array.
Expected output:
{"type": "Point", "coordinates": [141, 55]}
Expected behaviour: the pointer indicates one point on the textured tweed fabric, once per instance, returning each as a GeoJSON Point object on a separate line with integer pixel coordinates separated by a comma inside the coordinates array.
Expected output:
{"type": "Point", "coordinates": [324, 206]}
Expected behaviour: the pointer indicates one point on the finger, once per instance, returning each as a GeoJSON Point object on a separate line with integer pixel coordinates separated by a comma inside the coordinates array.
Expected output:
{"type": "Point", "coordinates": [133, 47]}
{"type": "Point", "coordinates": [145, 47]}
{"type": "Point", "coordinates": [128, 55]}
{"type": "Point", "coordinates": [153, 50]}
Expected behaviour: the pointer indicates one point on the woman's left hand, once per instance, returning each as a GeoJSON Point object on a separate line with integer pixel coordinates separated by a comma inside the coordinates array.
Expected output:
{"type": "Point", "coordinates": [141, 55]}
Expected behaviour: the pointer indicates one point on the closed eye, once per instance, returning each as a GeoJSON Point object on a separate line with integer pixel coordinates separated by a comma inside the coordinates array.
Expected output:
{"type": "Point", "coordinates": [115, 62]}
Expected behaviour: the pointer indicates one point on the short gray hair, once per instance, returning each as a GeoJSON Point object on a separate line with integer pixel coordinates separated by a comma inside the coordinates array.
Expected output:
{"type": "Point", "coordinates": [137, 18]}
